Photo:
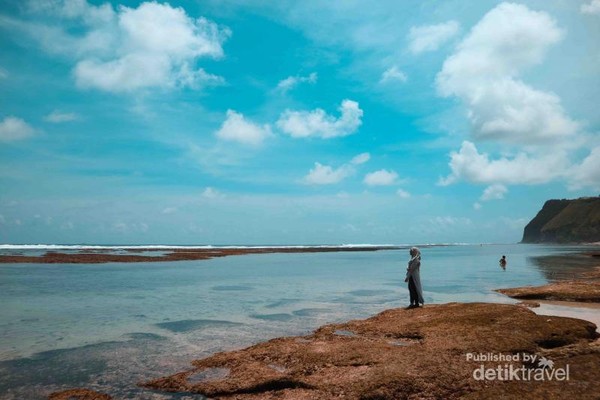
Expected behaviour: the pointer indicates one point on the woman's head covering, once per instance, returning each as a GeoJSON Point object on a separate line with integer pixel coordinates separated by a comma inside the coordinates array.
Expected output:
{"type": "Point", "coordinates": [415, 252]}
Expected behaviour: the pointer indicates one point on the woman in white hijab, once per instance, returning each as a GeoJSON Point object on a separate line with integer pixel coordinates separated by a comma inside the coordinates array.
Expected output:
{"type": "Point", "coordinates": [414, 279]}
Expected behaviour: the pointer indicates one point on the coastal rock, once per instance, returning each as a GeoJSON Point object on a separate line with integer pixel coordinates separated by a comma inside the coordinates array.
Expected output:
{"type": "Point", "coordinates": [419, 353]}
{"type": "Point", "coordinates": [565, 221]}
{"type": "Point", "coordinates": [529, 304]}
{"type": "Point", "coordinates": [584, 291]}
{"type": "Point", "coordinates": [86, 256]}
{"type": "Point", "coordinates": [79, 394]}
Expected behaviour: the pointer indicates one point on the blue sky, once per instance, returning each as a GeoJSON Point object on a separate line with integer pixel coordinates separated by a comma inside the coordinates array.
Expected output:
{"type": "Point", "coordinates": [256, 122]}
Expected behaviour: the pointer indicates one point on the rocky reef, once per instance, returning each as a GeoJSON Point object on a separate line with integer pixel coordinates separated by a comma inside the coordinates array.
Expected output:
{"type": "Point", "coordinates": [565, 221]}
{"type": "Point", "coordinates": [141, 254]}
{"type": "Point", "coordinates": [563, 291]}
{"type": "Point", "coordinates": [420, 353]}
{"type": "Point", "coordinates": [79, 394]}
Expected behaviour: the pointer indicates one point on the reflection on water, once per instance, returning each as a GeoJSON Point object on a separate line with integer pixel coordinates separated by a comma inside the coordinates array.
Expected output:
{"type": "Point", "coordinates": [563, 267]}
{"type": "Point", "coordinates": [108, 326]}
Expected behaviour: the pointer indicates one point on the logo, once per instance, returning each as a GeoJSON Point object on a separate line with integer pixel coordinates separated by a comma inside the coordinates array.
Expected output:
{"type": "Point", "coordinates": [516, 367]}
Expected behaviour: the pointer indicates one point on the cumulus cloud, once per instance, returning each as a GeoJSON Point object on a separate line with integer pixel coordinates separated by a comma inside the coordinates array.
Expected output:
{"type": "Point", "coordinates": [393, 74]}
{"type": "Point", "coordinates": [483, 72]}
{"type": "Point", "coordinates": [383, 177]}
{"type": "Point", "coordinates": [237, 128]}
{"type": "Point", "coordinates": [13, 128]}
{"type": "Point", "coordinates": [153, 45]}
{"type": "Point", "coordinates": [586, 174]}
{"type": "Point", "coordinates": [58, 117]}
{"type": "Point", "coordinates": [292, 81]}
{"type": "Point", "coordinates": [477, 206]}
{"type": "Point", "coordinates": [431, 37]}
{"type": "Point", "coordinates": [470, 165]}
{"type": "Point", "coordinates": [327, 175]}
{"type": "Point", "coordinates": [361, 159]}
{"type": "Point", "coordinates": [593, 7]}
{"type": "Point", "coordinates": [494, 192]}
{"type": "Point", "coordinates": [317, 123]}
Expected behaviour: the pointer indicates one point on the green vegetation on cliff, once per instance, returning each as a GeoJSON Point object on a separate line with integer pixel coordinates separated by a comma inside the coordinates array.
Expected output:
{"type": "Point", "coordinates": [565, 221]}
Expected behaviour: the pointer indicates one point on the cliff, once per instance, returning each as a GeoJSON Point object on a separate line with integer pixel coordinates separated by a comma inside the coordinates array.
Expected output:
{"type": "Point", "coordinates": [565, 221]}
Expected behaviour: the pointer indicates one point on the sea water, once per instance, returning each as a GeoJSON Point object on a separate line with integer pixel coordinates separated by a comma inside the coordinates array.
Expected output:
{"type": "Point", "coordinates": [109, 326]}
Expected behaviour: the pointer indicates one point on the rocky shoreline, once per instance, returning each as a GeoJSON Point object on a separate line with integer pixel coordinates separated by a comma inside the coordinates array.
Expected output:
{"type": "Point", "coordinates": [432, 352]}
{"type": "Point", "coordinates": [171, 254]}
{"type": "Point", "coordinates": [586, 289]}
{"type": "Point", "coordinates": [440, 351]}
{"type": "Point", "coordinates": [417, 353]}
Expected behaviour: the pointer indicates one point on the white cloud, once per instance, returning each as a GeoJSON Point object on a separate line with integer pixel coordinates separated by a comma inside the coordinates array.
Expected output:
{"type": "Point", "coordinates": [3, 73]}
{"type": "Point", "coordinates": [468, 164]}
{"type": "Point", "coordinates": [593, 7]}
{"type": "Point", "coordinates": [211, 193]}
{"type": "Point", "coordinates": [153, 45]}
{"type": "Point", "coordinates": [13, 128]}
{"type": "Point", "coordinates": [58, 117]}
{"type": "Point", "coordinates": [169, 210]}
{"type": "Point", "coordinates": [382, 177]}
{"type": "Point", "coordinates": [326, 175]}
{"type": "Point", "coordinates": [586, 174]}
{"type": "Point", "coordinates": [476, 206]}
{"type": "Point", "coordinates": [431, 37]}
{"type": "Point", "coordinates": [361, 159]}
{"type": "Point", "coordinates": [300, 124]}
{"type": "Point", "coordinates": [393, 74]}
{"type": "Point", "coordinates": [403, 193]}
{"type": "Point", "coordinates": [236, 128]}
{"type": "Point", "coordinates": [494, 192]}
{"type": "Point", "coordinates": [483, 73]}
{"type": "Point", "coordinates": [292, 81]}
{"type": "Point", "coordinates": [449, 221]}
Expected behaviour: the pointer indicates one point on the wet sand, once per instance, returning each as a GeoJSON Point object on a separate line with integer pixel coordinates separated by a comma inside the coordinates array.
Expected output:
{"type": "Point", "coordinates": [574, 298]}
{"type": "Point", "coordinates": [586, 311]}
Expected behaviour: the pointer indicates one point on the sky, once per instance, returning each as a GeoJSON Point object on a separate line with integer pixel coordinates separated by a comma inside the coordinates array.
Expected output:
{"type": "Point", "coordinates": [293, 122]}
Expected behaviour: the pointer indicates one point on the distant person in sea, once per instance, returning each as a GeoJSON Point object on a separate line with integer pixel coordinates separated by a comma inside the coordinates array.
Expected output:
{"type": "Point", "coordinates": [503, 262]}
{"type": "Point", "coordinates": [414, 279]}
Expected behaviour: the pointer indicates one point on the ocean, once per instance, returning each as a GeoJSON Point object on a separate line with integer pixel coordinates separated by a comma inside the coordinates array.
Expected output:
{"type": "Point", "coordinates": [109, 326]}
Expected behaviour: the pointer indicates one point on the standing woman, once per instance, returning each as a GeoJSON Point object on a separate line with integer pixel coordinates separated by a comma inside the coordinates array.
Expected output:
{"type": "Point", "coordinates": [413, 278]}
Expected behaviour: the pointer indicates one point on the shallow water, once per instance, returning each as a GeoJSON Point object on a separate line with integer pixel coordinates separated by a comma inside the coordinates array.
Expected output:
{"type": "Point", "coordinates": [108, 326]}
